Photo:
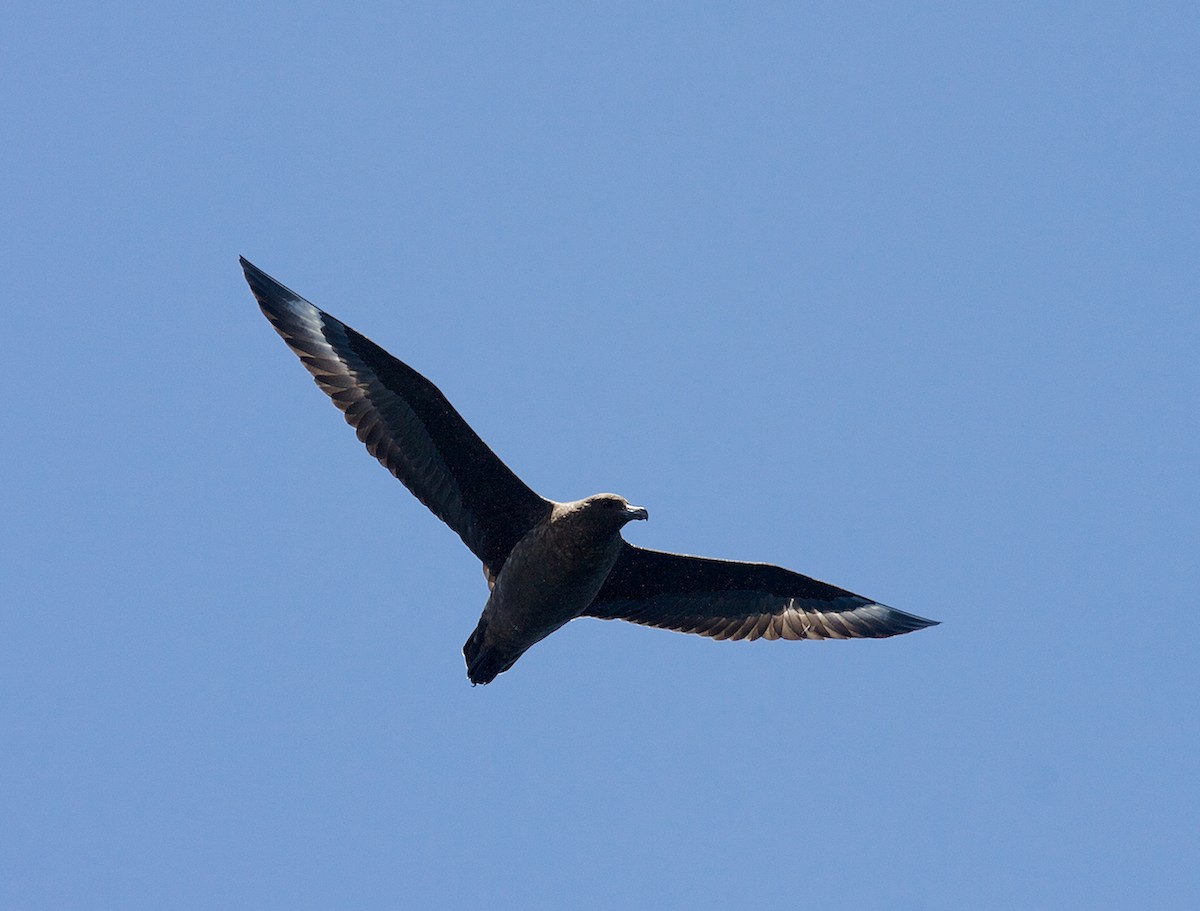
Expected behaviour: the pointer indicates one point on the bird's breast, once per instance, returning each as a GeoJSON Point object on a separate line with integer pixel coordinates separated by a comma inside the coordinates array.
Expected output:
{"type": "Point", "coordinates": [550, 577]}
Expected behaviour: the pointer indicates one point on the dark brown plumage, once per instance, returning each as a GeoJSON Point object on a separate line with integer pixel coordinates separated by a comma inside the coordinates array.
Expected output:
{"type": "Point", "coordinates": [546, 562]}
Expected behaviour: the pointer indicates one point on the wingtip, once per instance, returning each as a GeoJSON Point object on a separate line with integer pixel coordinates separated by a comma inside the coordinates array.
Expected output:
{"type": "Point", "coordinates": [248, 268]}
{"type": "Point", "coordinates": [264, 287]}
{"type": "Point", "coordinates": [913, 622]}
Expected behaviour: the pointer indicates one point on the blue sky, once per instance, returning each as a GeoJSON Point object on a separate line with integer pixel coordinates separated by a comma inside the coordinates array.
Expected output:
{"type": "Point", "coordinates": [900, 296]}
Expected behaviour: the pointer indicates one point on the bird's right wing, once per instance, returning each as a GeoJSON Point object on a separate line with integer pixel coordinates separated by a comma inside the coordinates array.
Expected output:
{"type": "Point", "coordinates": [725, 599]}
{"type": "Point", "coordinates": [408, 425]}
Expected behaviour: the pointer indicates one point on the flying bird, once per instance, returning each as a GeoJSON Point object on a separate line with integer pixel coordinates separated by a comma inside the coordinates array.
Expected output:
{"type": "Point", "coordinates": [545, 562]}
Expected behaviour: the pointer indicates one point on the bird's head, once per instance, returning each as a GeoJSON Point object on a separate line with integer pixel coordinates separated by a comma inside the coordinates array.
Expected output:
{"type": "Point", "coordinates": [612, 509]}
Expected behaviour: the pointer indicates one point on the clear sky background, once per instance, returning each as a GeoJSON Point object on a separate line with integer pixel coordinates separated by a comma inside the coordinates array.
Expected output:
{"type": "Point", "coordinates": [903, 296]}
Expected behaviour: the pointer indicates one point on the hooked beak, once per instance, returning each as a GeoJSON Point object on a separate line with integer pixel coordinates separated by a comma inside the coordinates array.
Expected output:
{"type": "Point", "coordinates": [636, 512]}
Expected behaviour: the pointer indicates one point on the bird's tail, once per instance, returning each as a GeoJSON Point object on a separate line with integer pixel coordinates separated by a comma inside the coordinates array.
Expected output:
{"type": "Point", "coordinates": [484, 662]}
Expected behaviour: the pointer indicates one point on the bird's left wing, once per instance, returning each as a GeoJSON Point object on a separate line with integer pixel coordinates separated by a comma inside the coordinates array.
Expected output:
{"type": "Point", "coordinates": [725, 599]}
{"type": "Point", "coordinates": [408, 425]}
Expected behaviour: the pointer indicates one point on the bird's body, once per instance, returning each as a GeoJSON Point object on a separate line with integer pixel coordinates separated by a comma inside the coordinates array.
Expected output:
{"type": "Point", "coordinates": [551, 577]}
{"type": "Point", "coordinates": [547, 563]}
